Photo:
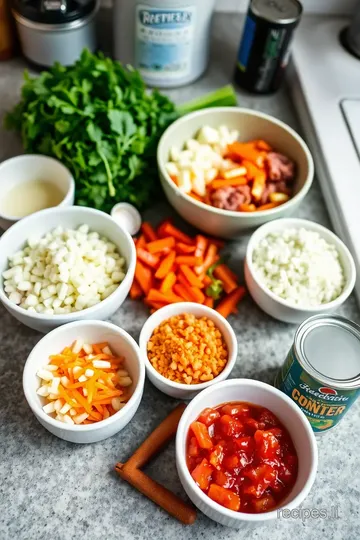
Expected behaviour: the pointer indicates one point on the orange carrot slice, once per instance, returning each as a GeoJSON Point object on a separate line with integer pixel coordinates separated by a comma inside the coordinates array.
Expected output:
{"type": "Point", "coordinates": [135, 290]}
{"type": "Point", "coordinates": [165, 265]}
{"type": "Point", "coordinates": [168, 282]}
{"type": "Point", "coordinates": [149, 232]}
{"type": "Point", "coordinates": [148, 258]}
{"type": "Point", "coordinates": [173, 231]}
{"type": "Point", "coordinates": [168, 298]}
{"type": "Point", "coordinates": [226, 306]}
{"type": "Point", "coordinates": [143, 277]}
{"type": "Point", "coordinates": [229, 284]}
{"type": "Point", "coordinates": [188, 260]}
{"type": "Point", "coordinates": [191, 276]}
{"type": "Point", "coordinates": [159, 245]}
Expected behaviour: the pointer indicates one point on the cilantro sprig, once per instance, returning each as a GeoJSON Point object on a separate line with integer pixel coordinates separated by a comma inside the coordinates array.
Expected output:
{"type": "Point", "coordinates": [98, 118]}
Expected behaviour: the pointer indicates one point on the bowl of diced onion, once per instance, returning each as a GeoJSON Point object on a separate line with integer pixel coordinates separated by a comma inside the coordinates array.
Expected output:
{"type": "Point", "coordinates": [220, 196]}
{"type": "Point", "coordinates": [84, 380]}
{"type": "Point", "coordinates": [295, 268]}
{"type": "Point", "coordinates": [65, 264]}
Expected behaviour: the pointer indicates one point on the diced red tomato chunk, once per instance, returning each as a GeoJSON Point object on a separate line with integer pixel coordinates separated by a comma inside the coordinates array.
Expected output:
{"type": "Point", "coordinates": [231, 426]}
{"type": "Point", "coordinates": [264, 503]}
{"type": "Point", "coordinates": [208, 416]}
{"type": "Point", "coordinates": [202, 474]}
{"type": "Point", "coordinates": [217, 455]}
{"type": "Point", "coordinates": [202, 435]}
{"type": "Point", "coordinates": [225, 497]}
{"type": "Point", "coordinates": [242, 457]}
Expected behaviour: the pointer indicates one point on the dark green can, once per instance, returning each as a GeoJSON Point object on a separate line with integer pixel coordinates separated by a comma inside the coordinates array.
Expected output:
{"type": "Point", "coordinates": [322, 370]}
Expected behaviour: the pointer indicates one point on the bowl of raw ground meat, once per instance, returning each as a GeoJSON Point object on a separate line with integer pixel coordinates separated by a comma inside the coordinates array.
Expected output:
{"type": "Point", "coordinates": [227, 170]}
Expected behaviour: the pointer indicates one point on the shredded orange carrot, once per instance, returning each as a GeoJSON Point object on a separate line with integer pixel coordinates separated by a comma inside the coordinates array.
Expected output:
{"type": "Point", "coordinates": [83, 383]}
{"type": "Point", "coordinates": [237, 181]}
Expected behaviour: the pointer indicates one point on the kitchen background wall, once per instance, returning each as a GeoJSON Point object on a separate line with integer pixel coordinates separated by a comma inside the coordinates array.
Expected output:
{"type": "Point", "coordinates": [310, 6]}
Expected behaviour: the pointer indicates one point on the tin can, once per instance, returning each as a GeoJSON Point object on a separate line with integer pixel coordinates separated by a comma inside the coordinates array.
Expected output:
{"type": "Point", "coordinates": [322, 370]}
{"type": "Point", "coordinates": [265, 45]}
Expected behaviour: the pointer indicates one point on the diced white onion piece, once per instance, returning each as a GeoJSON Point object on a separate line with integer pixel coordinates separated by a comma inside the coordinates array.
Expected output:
{"type": "Point", "coordinates": [59, 403]}
{"type": "Point", "coordinates": [79, 418]}
{"type": "Point", "coordinates": [45, 375]}
{"type": "Point", "coordinates": [43, 391]}
{"type": "Point", "coordinates": [125, 381]}
{"type": "Point", "coordinates": [101, 364]}
{"type": "Point", "coordinates": [77, 346]}
{"type": "Point", "coordinates": [89, 373]}
{"type": "Point", "coordinates": [65, 408]}
{"type": "Point", "coordinates": [67, 419]}
{"type": "Point", "coordinates": [82, 378]}
{"type": "Point", "coordinates": [87, 348]}
{"type": "Point", "coordinates": [49, 408]}
{"type": "Point", "coordinates": [117, 404]}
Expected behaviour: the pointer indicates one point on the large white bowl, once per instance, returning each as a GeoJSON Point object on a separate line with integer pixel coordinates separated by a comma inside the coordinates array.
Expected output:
{"type": "Point", "coordinates": [42, 222]}
{"type": "Point", "coordinates": [251, 125]}
{"type": "Point", "coordinates": [31, 167]}
{"type": "Point", "coordinates": [290, 416]}
{"type": "Point", "coordinates": [174, 389]}
{"type": "Point", "coordinates": [274, 305]}
{"type": "Point", "coordinates": [120, 343]}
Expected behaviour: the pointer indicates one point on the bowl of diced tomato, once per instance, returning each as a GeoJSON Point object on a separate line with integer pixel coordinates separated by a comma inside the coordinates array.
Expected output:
{"type": "Point", "coordinates": [244, 451]}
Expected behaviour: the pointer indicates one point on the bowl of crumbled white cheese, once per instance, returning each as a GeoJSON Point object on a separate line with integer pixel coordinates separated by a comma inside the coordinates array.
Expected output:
{"type": "Point", "coordinates": [296, 268]}
{"type": "Point", "coordinates": [65, 264]}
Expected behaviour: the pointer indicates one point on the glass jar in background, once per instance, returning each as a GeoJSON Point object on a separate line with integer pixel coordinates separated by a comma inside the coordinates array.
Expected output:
{"type": "Point", "coordinates": [166, 40]}
{"type": "Point", "coordinates": [7, 41]}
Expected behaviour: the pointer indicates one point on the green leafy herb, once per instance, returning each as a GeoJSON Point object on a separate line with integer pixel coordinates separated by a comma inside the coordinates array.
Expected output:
{"type": "Point", "coordinates": [216, 288]}
{"type": "Point", "coordinates": [98, 119]}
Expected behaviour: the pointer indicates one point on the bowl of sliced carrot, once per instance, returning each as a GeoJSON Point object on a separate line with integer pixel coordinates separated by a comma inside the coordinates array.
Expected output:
{"type": "Point", "coordinates": [84, 381]}
{"type": "Point", "coordinates": [227, 170]}
{"type": "Point", "coordinates": [173, 267]}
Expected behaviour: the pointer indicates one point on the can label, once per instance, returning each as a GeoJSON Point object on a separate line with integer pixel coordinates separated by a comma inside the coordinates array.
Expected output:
{"type": "Point", "coordinates": [246, 43]}
{"type": "Point", "coordinates": [324, 406]}
{"type": "Point", "coordinates": [164, 41]}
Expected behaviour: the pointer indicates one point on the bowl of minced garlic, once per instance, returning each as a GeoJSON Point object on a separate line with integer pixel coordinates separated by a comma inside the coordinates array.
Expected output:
{"type": "Point", "coordinates": [186, 348]}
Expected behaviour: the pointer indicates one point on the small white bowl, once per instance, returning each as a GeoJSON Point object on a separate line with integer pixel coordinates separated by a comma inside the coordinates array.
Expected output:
{"type": "Point", "coordinates": [290, 416]}
{"type": "Point", "coordinates": [31, 167]}
{"type": "Point", "coordinates": [91, 332]}
{"type": "Point", "coordinates": [71, 217]}
{"type": "Point", "coordinates": [251, 125]}
{"type": "Point", "coordinates": [278, 307]}
{"type": "Point", "coordinates": [174, 389]}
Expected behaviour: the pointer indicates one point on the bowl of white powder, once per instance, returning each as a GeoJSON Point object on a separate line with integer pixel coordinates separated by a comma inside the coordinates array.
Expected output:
{"type": "Point", "coordinates": [296, 268]}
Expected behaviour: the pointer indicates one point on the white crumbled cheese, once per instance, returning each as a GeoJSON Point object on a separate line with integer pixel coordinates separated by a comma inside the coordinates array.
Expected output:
{"type": "Point", "coordinates": [64, 271]}
{"type": "Point", "coordinates": [201, 159]}
{"type": "Point", "coordinates": [299, 266]}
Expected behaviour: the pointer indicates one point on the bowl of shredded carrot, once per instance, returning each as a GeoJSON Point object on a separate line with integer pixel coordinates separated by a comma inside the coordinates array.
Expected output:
{"type": "Point", "coordinates": [84, 381]}
{"type": "Point", "coordinates": [187, 347]}
{"type": "Point", "coordinates": [228, 169]}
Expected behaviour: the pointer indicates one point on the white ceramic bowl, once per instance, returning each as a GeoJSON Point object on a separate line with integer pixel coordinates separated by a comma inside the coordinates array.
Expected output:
{"type": "Point", "coordinates": [91, 332]}
{"type": "Point", "coordinates": [251, 125]}
{"type": "Point", "coordinates": [178, 390]}
{"type": "Point", "coordinates": [274, 305]}
{"type": "Point", "coordinates": [39, 224]}
{"type": "Point", "coordinates": [31, 167]}
{"type": "Point", "coordinates": [290, 416]}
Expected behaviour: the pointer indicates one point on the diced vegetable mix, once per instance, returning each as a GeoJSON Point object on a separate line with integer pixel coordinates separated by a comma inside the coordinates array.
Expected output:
{"type": "Point", "coordinates": [187, 349]}
{"type": "Point", "coordinates": [174, 267]}
{"type": "Point", "coordinates": [216, 169]}
{"type": "Point", "coordinates": [242, 457]}
{"type": "Point", "coordinates": [84, 383]}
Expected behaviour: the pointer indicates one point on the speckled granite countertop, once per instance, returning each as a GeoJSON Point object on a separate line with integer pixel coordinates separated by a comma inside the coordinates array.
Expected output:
{"type": "Point", "coordinates": [51, 489]}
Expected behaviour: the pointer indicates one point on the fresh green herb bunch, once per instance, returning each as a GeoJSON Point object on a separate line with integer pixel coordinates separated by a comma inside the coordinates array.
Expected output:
{"type": "Point", "coordinates": [98, 119]}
